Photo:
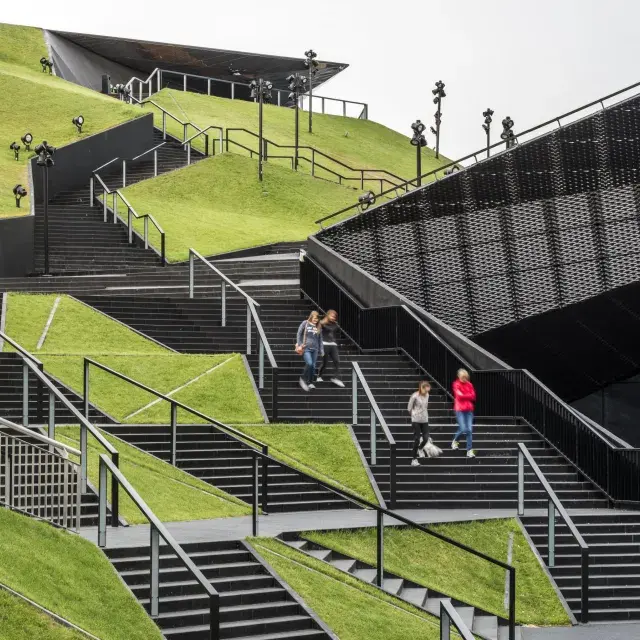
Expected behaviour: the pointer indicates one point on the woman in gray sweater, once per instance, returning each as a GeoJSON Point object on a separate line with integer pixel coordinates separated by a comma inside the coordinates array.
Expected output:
{"type": "Point", "coordinates": [309, 346]}
{"type": "Point", "coordinates": [418, 409]}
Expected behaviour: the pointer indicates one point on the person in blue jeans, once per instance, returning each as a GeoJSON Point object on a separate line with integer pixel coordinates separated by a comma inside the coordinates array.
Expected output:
{"type": "Point", "coordinates": [309, 346]}
{"type": "Point", "coordinates": [464, 398]}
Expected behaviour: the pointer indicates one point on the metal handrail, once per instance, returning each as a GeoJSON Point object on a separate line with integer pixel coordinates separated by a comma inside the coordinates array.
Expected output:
{"type": "Point", "coordinates": [21, 349]}
{"type": "Point", "coordinates": [158, 530]}
{"type": "Point", "coordinates": [486, 149]}
{"type": "Point", "coordinates": [38, 436]}
{"type": "Point", "coordinates": [106, 164]}
{"type": "Point", "coordinates": [449, 616]}
{"type": "Point", "coordinates": [554, 506]}
{"type": "Point", "coordinates": [144, 153]}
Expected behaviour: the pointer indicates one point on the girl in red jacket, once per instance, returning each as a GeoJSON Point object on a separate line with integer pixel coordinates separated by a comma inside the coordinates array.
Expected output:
{"type": "Point", "coordinates": [464, 397]}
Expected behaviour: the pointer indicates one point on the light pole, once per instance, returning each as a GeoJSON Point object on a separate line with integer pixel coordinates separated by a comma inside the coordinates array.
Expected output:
{"type": "Point", "coordinates": [418, 141]}
{"type": "Point", "coordinates": [297, 85]}
{"type": "Point", "coordinates": [487, 127]}
{"type": "Point", "coordinates": [45, 160]}
{"type": "Point", "coordinates": [311, 63]}
{"type": "Point", "coordinates": [260, 89]}
{"type": "Point", "coordinates": [439, 93]}
{"type": "Point", "coordinates": [507, 133]}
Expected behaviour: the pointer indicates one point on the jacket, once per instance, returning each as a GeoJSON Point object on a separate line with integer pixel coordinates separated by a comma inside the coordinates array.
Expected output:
{"type": "Point", "coordinates": [418, 407]}
{"type": "Point", "coordinates": [309, 336]}
{"type": "Point", "coordinates": [464, 396]}
{"type": "Point", "coordinates": [330, 333]}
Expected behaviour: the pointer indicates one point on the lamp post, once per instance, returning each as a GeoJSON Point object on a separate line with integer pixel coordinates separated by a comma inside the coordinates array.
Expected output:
{"type": "Point", "coordinates": [297, 85]}
{"type": "Point", "coordinates": [260, 90]}
{"type": "Point", "coordinates": [418, 141]}
{"type": "Point", "coordinates": [487, 127]}
{"type": "Point", "coordinates": [507, 133]}
{"type": "Point", "coordinates": [439, 93]}
{"type": "Point", "coordinates": [45, 160]}
{"type": "Point", "coordinates": [311, 64]}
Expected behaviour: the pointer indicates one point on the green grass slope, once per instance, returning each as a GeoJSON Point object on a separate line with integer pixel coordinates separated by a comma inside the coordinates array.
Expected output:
{"type": "Point", "coordinates": [43, 105]}
{"type": "Point", "coordinates": [218, 205]}
{"type": "Point", "coordinates": [428, 561]}
{"type": "Point", "coordinates": [357, 143]}
{"type": "Point", "coordinates": [71, 577]}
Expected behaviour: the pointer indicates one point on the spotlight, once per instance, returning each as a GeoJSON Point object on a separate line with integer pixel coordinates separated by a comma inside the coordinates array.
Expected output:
{"type": "Point", "coordinates": [439, 93]}
{"type": "Point", "coordinates": [418, 141]}
{"type": "Point", "coordinates": [15, 147]}
{"type": "Point", "coordinates": [366, 200]}
{"type": "Point", "coordinates": [78, 121]}
{"type": "Point", "coordinates": [450, 170]}
{"type": "Point", "coordinates": [311, 63]}
{"type": "Point", "coordinates": [260, 91]}
{"type": "Point", "coordinates": [46, 64]}
{"type": "Point", "coordinates": [297, 85]}
{"type": "Point", "coordinates": [19, 192]}
{"type": "Point", "coordinates": [45, 152]}
{"type": "Point", "coordinates": [27, 139]}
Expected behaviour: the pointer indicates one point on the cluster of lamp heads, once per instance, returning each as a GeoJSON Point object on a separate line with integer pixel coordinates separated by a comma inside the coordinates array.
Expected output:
{"type": "Point", "coordinates": [418, 139]}
{"type": "Point", "coordinates": [297, 84]}
{"type": "Point", "coordinates": [47, 65]}
{"type": "Point", "coordinates": [366, 200]}
{"type": "Point", "coordinates": [261, 89]}
{"type": "Point", "coordinates": [310, 61]}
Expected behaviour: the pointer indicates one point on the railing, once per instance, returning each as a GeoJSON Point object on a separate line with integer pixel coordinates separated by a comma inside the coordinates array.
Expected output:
{"type": "Point", "coordinates": [449, 616]}
{"type": "Point", "coordinates": [158, 530]}
{"type": "Point", "coordinates": [365, 175]}
{"type": "Point", "coordinates": [220, 140]}
{"type": "Point", "coordinates": [32, 365]}
{"type": "Point", "coordinates": [375, 418]}
{"type": "Point", "coordinates": [39, 481]}
{"type": "Point", "coordinates": [252, 318]}
{"type": "Point", "coordinates": [555, 506]}
{"type": "Point", "coordinates": [504, 392]}
{"type": "Point", "coordinates": [231, 86]}
{"type": "Point", "coordinates": [485, 151]}
{"type": "Point", "coordinates": [153, 150]}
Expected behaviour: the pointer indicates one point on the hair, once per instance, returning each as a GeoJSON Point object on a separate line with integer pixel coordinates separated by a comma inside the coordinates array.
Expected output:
{"type": "Point", "coordinates": [312, 315]}
{"type": "Point", "coordinates": [463, 372]}
{"type": "Point", "coordinates": [326, 320]}
{"type": "Point", "coordinates": [423, 383]}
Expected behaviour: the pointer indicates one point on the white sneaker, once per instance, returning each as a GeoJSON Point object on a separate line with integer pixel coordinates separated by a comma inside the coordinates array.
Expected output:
{"type": "Point", "coordinates": [455, 444]}
{"type": "Point", "coordinates": [303, 385]}
{"type": "Point", "coordinates": [337, 382]}
{"type": "Point", "coordinates": [319, 379]}
{"type": "Point", "coordinates": [421, 453]}
{"type": "Point", "coordinates": [312, 386]}
{"type": "Point", "coordinates": [471, 453]}
{"type": "Point", "coordinates": [415, 463]}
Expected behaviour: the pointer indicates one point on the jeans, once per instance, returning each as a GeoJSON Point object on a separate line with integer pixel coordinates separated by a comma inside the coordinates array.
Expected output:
{"type": "Point", "coordinates": [465, 427]}
{"type": "Point", "coordinates": [420, 431]}
{"type": "Point", "coordinates": [330, 351]}
{"type": "Point", "coordinates": [310, 357]}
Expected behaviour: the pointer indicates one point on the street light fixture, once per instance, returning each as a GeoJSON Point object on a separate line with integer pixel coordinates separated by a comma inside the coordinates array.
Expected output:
{"type": "Point", "coordinates": [19, 192]}
{"type": "Point", "coordinates": [366, 200]}
{"type": "Point", "coordinates": [78, 121]}
{"type": "Point", "coordinates": [439, 93]}
{"type": "Point", "coordinates": [297, 85]}
{"type": "Point", "coordinates": [46, 64]}
{"type": "Point", "coordinates": [260, 90]}
{"type": "Point", "coordinates": [418, 141]}
{"type": "Point", "coordinates": [27, 139]}
{"type": "Point", "coordinates": [45, 160]}
{"type": "Point", "coordinates": [487, 127]}
{"type": "Point", "coordinates": [507, 133]}
{"type": "Point", "coordinates": [311, 64]}
{"type": "Point", "coordinates": [15, 147]}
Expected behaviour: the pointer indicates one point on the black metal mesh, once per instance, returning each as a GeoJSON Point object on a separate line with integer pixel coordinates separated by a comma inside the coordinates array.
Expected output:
{"type": "Point", "coordinates": [547, 224]}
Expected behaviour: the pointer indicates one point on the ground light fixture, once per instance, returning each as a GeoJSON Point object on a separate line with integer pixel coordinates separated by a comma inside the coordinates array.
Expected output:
{"type": "Point", "coordinates": [418, 141]}
{"type": "Point", "coordinates": [366, 200]}
{"type": "Point", "coordinates": [439, 93]}
{"type": "Point", "coordinates": [46, 65]}
{"type": "Point", "coordinates": [261, 92]}
{"type": "Point", "coordinates": [19, 192]}
{"type": "Point", "coordinates": [311, 64]}
{"type": "Point", "coordinates": [27, 139]}
{"type": "Point", "coordinates": [487, 127]}
{"type": "Point", "coordinates": [297, 85]}
{"type": "Point", "coordinates": [507, 133]}
{"type": "Point", "coordinates": [78, 121]}
{"type": "Point", "coordinates": [45, 160]}
{"type": "Point", "coordinates": [15, 147]}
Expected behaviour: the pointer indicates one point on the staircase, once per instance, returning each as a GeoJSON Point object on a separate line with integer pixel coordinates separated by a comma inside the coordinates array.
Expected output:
{"type": "Point", "coordinates": [482, 624]}
{"type": "Point", "coordinates": [254, 604]}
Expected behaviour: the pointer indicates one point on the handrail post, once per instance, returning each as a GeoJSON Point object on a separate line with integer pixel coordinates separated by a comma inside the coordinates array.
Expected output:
{"type": "Point", "coordinates": [520, 482]}
{"type": "Point", "coordinates": [373, 436]}
{"type": "Point", "coordinates": [164, 121]}
{"type": "Point", "coordinates": [85, 389]}
{"type": "Point", "coordinates": [392, 476]}
{"type": "Point", "coordinates": [104, 204]}
{"type": "Point", "coordinates": [254, 497]}
{"type": "Point", "coordinates": [260, 364]}
{"type": "Point", "coordinates": [208, 86]}
{"type": "Point", "coordinates": [274, 395]}
{"type": "Point", "coordinates": [206, 145]}
{"type": "Point", "coordinates": [115, 207]}
{"type": "Point", "coordinates": [51, 433]}
{"type": "Point", "coordinates": [512, 603]}
{"type": "Point", "coordinates": [265, 478]}
{"type": "Point", "coordinates": [130, 225]}
{"type": "Point", "coordinates": [223, 302]}
{"type": "Point", "coordinates": [313, 162]}
{"type": "Point", "coordinates": [189, 153]}
{"type": "Point", "coordinates": [163, 243]}
{"type": "Point", "coordinates": [248, 328]}
{"type": "Point", "coordinates": [124, 174]}
{"type": "Point", "coordinates": [91, 186]}
{"type": "Point", "coordinates": [174, 433]}
{"type": "Point", "coordinates": [25, 394]}
{"type": "Point", "coordinates": [184, 132]}
{"type": "Point", "coordinates": [354, 396]}
{"type": "Point", "coordinates": [214, 616]}
{"type": "Point", "coordinates": [155, 163]}
{"type": "Point", "coordinates": [102, 504]}
{"type": "Point", "coordinates": [83, 457]}
{"type": "Point", "coordinates": [380, 549]}
{"type": "Point", "coordinates": [191, 274]}
{"type": "Point", "coordinates": [551, 531]}
{"type": "Point", "coordinates": [146, 232]}
{"type": "Point", "coordinates": [233, 90]}
{"type": "Point", "coordinates": [184, 81]}
{"type": "Point", "coordinates": [154, 581]}
{"type": "Point", "coordinates": [445, 623]}
{"type": "Point", "coordinates": [584, 572]}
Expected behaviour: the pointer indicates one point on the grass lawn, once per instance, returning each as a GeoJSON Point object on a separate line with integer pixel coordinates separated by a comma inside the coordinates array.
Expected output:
{"type": "Point", "coordinates": [357, 143]}
{"type": "Point", "coordinates": [23, 87]}
{"type": "Point", "coordinates": [19, 620]}
{"type": "Point", "coordinates": [326, 452]}
{"type": "Point", "coordinates": [172, 494]}
{"type": "Point", "coordinates": [71, 577]}
{"type": "Point", "coordinates": [218, 205]}
{"type": "Point", "coordinates": [353, 610]}
{"type": "Point", "coordinates": [438, 565]}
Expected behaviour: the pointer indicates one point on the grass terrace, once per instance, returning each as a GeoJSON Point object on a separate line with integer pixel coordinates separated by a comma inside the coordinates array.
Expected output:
{"type": "Point", "coordinates": [23, 87]}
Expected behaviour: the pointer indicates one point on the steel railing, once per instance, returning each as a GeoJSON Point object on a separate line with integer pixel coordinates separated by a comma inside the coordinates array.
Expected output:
{"type": "Point", "coordinates": [449, 616]}
{"type": "Point", "coordinates": [555, 506]}
{"type": "Point", "coordinates": [220, 140]}
{"type": "Point", "coordinates": [153, 150]}
{"type": "Point", "coordinates": [282, 95]}
{"type": "Point", "coordinates": [375, 418]}
{"type": "Point", "coordinates": [252, 319]}
{"type": "Point", "coordinates": [38, 481]}
{"type": "Point", "coordinates": [158, 530]}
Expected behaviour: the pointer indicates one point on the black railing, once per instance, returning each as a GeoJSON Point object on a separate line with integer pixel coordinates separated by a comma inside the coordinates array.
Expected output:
{"type": "Point", "coordinates": [505, 392]}
{"type": "Point", "coordinates": [449, 616]}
